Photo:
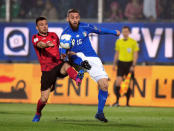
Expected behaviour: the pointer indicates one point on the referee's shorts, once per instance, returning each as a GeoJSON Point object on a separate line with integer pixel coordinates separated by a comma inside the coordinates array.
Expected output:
{"type": "Point", "coordinates": [123, 68]}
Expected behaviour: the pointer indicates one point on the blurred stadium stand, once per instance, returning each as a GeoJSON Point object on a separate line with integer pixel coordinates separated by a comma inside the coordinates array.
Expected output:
{"type": "Point", "coordinates": [113, 10]}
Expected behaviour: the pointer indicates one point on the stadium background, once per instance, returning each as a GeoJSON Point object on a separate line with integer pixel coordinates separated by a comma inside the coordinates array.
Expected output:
{"type": "Point", "coordinates": [20, 71]}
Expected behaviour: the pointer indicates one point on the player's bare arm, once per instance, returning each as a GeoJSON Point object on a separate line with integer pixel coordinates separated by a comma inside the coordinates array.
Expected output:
{"type": "Point", "coordinates": [134, 61]}
{"type": "Point", "coordinates": [115, 60]}
{"type": "Point", "coordinates": [41, 44]}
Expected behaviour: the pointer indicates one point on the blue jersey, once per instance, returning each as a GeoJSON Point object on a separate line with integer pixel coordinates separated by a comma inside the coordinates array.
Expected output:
{"type": "Point", "coordinates": [81, 39]}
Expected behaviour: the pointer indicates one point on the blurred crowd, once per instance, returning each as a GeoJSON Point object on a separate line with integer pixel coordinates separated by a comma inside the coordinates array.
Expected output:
{"type": "Point", "coordinates": [134, 10]}
{"type": "Point", "coordinates": [52, 9]}
{"type": "Point", "coordinates": [114, 10]}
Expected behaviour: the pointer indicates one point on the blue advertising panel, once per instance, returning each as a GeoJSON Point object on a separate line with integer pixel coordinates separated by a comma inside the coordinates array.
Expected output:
{"type": "Point", "coordinates": [155, 41]}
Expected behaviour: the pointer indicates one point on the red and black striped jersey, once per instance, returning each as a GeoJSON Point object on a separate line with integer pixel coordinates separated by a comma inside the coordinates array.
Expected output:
{"type": "Point", "coordinates": [48, 57]}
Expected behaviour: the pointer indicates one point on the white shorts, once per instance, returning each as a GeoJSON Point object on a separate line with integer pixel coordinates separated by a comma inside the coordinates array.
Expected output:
{"type": "Point", "coordinates": [97, 70]}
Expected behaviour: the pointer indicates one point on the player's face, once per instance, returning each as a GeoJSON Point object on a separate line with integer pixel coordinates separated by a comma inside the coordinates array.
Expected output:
{"type": "Point", "coordinates": [42, 26]}
{"type": "Point", "coordinates": [74, 19]}
{"type": "Point", "coordinates": [125, 33]}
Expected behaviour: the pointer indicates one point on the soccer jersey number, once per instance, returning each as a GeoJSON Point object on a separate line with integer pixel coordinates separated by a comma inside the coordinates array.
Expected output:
{"type": "Point", "coordinates": [79, 41]}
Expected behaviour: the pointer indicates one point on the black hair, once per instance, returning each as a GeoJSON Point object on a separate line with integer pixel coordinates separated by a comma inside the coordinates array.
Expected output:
{"type": "Point", "coordinates": [72, 11]}
{"type": "Point", "coordinates": [126, 27]}
{"type": "Point", "coordinates": [40, 18]}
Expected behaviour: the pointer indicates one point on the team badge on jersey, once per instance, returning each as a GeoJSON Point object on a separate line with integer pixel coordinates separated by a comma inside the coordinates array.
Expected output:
{"type": "Point", "coordinates": [129, 50]}
{"type": "Point", "coordinates": [95, 28]}
{"type": "Point", "coordinates": [84, 34]}
{"type": "Point", "coordinates": [36, 39]}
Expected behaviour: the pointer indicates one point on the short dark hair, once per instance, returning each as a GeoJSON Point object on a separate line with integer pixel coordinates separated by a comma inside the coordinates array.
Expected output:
{"type": "Point", "coordinates": [72, 11]}
{"type": "Point", "coordinates": [40, 18]}
{"type": "Point", "coordinates": [126, 27]}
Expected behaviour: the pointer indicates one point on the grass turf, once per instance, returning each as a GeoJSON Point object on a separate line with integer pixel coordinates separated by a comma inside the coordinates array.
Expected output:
{"type": "Point", "coordinates": [18, 117]}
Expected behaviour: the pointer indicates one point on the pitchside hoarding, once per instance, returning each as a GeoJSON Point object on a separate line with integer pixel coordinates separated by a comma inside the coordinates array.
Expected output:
{"type": "Point", "coordinates": [155, 41]}
{"type": "Point", "coordinates": [154, 86]}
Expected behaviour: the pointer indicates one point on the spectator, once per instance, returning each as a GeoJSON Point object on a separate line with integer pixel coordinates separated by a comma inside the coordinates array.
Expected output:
{"type": "Point", "coordinates": [49, 11]}
{"type": "Point", "coordinates": [15, 8]}
{"type": "Point", "coordinates": [163, 9]}
{"type": "Point", "coordinates": [171, 12]}
{"type": "Point", "coordinates": [115, 13]}
{"type": "Point", "coordinates": [36, 10]}
{"type": "Point", "coordinates": [122, 4]}
{"type": "Point", "coordinates": [149, 9]}
{"type": "Point", "coordinates": [22, 13]}
{"type": "Point", "coordinates": [160, 9]}
{"type": "Point", "coordinates": [25, 8]}
{"type": "Point", "coordinates": [133, 10]}
{"type": "Point", "coordinates": [2, 9]}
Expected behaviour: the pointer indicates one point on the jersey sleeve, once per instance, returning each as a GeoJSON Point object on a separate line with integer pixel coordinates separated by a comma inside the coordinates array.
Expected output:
{"type": "Point", "coordinates": [117, 45]}
{"type": "Point", "coordinates": [94, 29]}
{"type": "Point", "coordinates": [35, 40]}
{"type": "Point", "coordinates": [62, 50]}
{"type": "Point", "coordinates": [135, 46]}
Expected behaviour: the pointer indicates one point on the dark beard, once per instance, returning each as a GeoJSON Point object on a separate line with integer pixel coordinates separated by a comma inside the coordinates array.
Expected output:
{"type": "Point", "coordinates": [74, 28]}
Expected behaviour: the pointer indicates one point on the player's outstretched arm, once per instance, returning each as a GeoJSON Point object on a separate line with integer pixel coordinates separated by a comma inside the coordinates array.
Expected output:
{"type": "Point", "coordinates": [41, 44]}
{"type": "Point", "coordinates": [115, 60]}
{"type": "Point", "coordinates": [93, 29]}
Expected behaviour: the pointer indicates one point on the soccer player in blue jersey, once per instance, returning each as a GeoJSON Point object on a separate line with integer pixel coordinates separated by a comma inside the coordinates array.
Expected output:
{"type": "Point", "coordinates": [83, 48]}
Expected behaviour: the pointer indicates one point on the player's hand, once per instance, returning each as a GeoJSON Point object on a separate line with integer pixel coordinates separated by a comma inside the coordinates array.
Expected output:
{"type": "Point", "coordinates": [118, 32]}
{"type": "Point", "coordinates": [131, 69]}
{"type": "Point", "coordinates": [63, 56]}
{"type": "Point", "coordinates": [50, 44]}
{"type": "Point", "coordinates": [114, 67]}
{"type": "Point", "coordinates": [71, 53]}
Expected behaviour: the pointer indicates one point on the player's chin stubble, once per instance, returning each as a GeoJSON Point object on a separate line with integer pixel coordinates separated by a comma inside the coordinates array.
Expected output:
{"type": "Point", "coordinates": [74, 27]}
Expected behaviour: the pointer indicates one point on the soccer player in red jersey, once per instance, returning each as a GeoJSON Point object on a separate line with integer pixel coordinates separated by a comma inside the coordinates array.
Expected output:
{"type": "Point", "coordinates": [46, 45]}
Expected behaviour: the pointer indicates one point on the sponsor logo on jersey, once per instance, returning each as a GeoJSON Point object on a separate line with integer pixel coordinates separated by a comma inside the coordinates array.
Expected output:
{"type": "Point", "coordinates": [36, 40]}
{"type": "Point", "coordinates": [84, 34]}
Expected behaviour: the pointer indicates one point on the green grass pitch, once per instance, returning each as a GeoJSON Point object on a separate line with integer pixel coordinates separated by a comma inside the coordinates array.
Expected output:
{"type": "Point", "coordinates": [18, 117]}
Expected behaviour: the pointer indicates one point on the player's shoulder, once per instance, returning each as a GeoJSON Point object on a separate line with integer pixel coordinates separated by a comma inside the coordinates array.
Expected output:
{"type": "Point", "coordinates": [81, 24]}
{"type": "Point", "coordinates": [52, 33]}
{"type": "Point", "coordinates": [67, 30]}
{"type": "Point", "coordinates": [85, 25]}
{"type": "Point", "coordinates": [34, 36]}
{"type": "Point", "coordinates": [119, 40]}
{"type": "Point", "coordinates": [132, 40]}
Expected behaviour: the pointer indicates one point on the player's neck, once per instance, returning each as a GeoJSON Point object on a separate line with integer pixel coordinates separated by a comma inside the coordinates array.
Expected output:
{"type": "Point", "coordinates": [74, 28]}
{"type": "Point", "coordinates": [43, 34]}
{"type": "Point", "coordinates": [125, 38]}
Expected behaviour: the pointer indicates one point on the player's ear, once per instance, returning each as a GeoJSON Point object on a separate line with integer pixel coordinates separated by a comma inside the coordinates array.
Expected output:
{"type": "Point", "coordinates": [67, 19]}
{"type": "Point", "coordinates": [36, 27]}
